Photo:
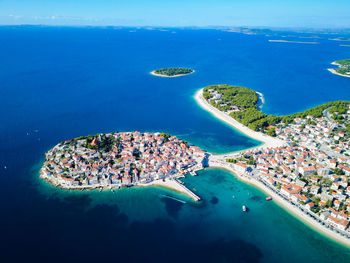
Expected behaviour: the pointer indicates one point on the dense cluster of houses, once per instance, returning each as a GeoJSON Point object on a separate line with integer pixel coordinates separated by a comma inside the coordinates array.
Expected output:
{"type": "Point", "coordinates": [132, 158]}
{"type": "Point", "coordinates": [317, 132]}
{"type": "Point", "coordinates": [313, 171]}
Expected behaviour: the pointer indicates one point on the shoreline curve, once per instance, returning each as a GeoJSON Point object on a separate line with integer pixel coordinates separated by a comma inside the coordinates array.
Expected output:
{"type": "Point", "coordinates": [315, 226]}
{"type": "Point", "coordinates": [219, 161]}
{"type": "Point", "coordinates": [267, 141]}
{"type": "Point", "coordinates": [333, 70]}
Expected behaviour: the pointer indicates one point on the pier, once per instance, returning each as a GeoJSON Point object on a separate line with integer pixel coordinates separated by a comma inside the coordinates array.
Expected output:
{"type": "Point", "coordinates": [176, 185]}
{"type": "Point", "coordinates": [188, 192]}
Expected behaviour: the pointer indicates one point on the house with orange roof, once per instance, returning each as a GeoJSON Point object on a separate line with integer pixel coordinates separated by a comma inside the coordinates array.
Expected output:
{"type": "Point", "coordinates": [332, 163]}
{"type": "Point", "coordinates": [337, 204]}
{"type": "Point", "coordinates": [342, 224]}
{"type": "Point", "coordinates": [308, 170]}
{"type": "Point", "coordinates": [322, 203]}
{"type": "Point", "coordinates": [298, 198]}
{"type": "Point", "coordinates": [309, 205]}
{"type": "Point", "coordinates": [290, 190]}
{"type": "Point", "coordinates": [240, 167]}
{"type": "Point", "coordinates": [285, 169]}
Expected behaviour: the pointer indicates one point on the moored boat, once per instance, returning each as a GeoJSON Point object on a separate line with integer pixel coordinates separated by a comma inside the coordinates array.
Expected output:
{"type": "Point", "coordinates": [268, 198]}
{"type": "Point", "coordinates": [244, 208]}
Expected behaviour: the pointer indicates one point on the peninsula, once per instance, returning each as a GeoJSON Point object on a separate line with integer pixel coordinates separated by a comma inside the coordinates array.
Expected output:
{"type": "Point", "coordinates": [172, 72]}
{"type": "Point", "coordinates": [304, 164]}
{"type": "Point", "coordinates": [114, 160]}
{"type": "Point", "coordinates": [343, 68]}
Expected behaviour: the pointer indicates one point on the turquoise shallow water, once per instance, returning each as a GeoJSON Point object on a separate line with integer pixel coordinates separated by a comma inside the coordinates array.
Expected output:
{"type": "Point", "coordinates": [219, 217]}
{"type": "Point", "coordinates": [59, 83]}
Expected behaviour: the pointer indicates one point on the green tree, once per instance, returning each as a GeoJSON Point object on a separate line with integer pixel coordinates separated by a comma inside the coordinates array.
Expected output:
{"type": "Point", "coordinates": [271, 132]}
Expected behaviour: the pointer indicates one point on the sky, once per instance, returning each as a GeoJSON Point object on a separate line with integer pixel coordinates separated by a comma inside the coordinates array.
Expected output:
{"type": "Point", "coordinates": [178, 13]}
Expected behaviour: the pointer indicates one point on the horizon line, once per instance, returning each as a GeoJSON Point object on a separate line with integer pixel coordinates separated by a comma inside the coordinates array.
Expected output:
{"type": "Point", "coordinates": [180, 27]}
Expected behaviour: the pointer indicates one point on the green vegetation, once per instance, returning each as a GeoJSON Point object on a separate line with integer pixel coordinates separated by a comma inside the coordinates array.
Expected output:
{"type": "Point", "coordinates": [344, 62]}
{"type": "Point", "coordinates": [231, 96]}
{"type": "Point", "coordinates": [338, 171]}
{"type": "Point", "coordinates": [315, 209]}
{"type": "Point", "coordinates": [344, 67]}
{"type": "Point", "coordinates": [166, 136]}
{"type": "Point", "coordinates": [249, 115]}
{"type": "Point", "coordinates": [105, 144]}
{"type": "Point", "coordinates": [171, 72]}
{"type": "Point", "coordinates": [249, 160]}
{"type": "Point", "coordinates": [271, 132]}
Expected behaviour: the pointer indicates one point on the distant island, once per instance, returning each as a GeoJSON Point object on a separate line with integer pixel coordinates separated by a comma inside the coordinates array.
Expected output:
{"type": "Point", "coordinates": [340, 39]}
{"type": "Point", "coordinates": [343, 68]}
{"type": "Point", "coordinates": [122, 159]}
{"type": "Point", "coordinates": [172, 72]}
{"type": "Point", "coordinates": [290, 41]}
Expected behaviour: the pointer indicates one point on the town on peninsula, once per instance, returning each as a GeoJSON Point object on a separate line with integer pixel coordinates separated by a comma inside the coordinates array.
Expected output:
{"type": "Point", "coordinates": [303, 162]}
{"type": "Point", "coordinates": [122, 159]}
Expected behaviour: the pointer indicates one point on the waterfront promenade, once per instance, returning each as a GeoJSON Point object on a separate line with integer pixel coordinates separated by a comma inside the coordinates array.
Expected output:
{"type": "Point", "coordinates": [253, 178]}
{"type": "Point", "coordinates": [306, 216]}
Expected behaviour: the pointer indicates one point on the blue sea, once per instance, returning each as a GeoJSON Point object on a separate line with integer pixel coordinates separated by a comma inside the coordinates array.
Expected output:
{"type": "Point", "coordinates": [57, 83]}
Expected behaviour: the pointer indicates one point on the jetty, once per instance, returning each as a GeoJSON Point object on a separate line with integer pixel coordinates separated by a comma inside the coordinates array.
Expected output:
{"type": "Point", "coordinates": [189, 193]}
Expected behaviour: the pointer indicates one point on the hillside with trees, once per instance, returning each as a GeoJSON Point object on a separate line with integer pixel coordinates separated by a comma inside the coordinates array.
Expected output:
{"type": "Point", "coordinates": [241, 104]}
{"type": "Point", "coordinates": [344, 67]}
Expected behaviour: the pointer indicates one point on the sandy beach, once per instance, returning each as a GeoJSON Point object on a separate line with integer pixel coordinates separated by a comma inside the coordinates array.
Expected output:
{"type": "Point", "coordinates": [267, 141]}
{"type": "Point", "coordinates": [332, 70]}
{"type": "Point", "coordinates": [164, 76]}
{"type": "Point", "coordinates": [217, 163]}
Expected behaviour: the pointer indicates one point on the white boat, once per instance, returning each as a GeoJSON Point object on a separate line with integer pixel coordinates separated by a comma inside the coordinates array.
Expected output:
{"type": "Point", "coordinates": [244, 208]}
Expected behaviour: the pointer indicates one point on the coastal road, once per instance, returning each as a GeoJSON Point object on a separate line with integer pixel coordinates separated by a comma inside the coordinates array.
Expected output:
{"type": "Point", "coordinates": [326, 114]}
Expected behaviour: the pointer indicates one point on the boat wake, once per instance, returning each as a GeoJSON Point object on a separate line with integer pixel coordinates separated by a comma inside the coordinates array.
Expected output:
{"type": "Point", "coordinates": [173, 198]}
